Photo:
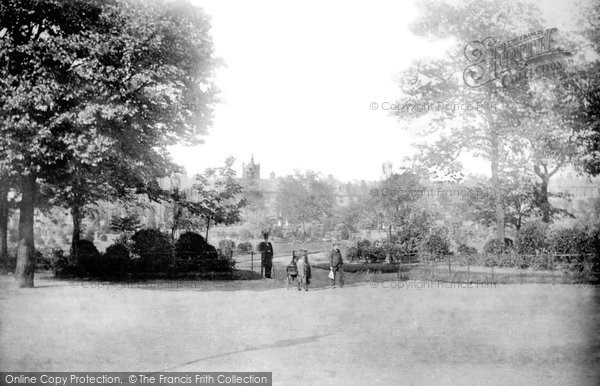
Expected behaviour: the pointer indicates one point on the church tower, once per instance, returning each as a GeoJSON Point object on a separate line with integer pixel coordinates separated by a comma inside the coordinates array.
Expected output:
{"type": "Point", "coordinates": [251, 171]}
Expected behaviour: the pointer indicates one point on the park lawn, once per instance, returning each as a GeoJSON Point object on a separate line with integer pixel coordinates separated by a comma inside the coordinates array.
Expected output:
{"type": "Point", "coordinates": [387, 333]}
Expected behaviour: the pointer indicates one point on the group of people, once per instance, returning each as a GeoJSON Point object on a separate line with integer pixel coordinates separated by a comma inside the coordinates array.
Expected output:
{"type": "Point", "coordinates": [299, 268]}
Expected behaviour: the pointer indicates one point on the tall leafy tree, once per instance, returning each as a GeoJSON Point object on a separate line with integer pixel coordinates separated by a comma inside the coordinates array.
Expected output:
{"type": "Point", "coordinates": [397, 195]}
{"type": "Point", "coordinates": [218, 196]}
{"type": "Point", "coordinates": [588, 93]}
{"type": "Point", "coordinates": [93, 93]}
{"type": "Point", "coordinates": [303, 198]}
{"type": "Point", "coordinates": [484, 120]}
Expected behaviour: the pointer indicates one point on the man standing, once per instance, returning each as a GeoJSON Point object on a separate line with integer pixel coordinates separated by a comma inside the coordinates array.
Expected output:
{"type": "Point", "coordinates": [266, 254]}
{"type": "Point", "coordinates": [336, 264]}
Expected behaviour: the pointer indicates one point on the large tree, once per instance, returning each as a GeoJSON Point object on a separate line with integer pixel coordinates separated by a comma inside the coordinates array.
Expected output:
{"type": "Point", "coordinates": [588, 93]}
{"type": "Point", "coordinates": [303, 198]}
{"type": "Point", "coordinates": [4, 215]}
{"type": "Point", "coordinates": [472, 107]}
{"type": "Point", "coordinates": [217, 196]}
{"type": "Point", "coordinates": [92, 95]}
{"type": "Point", "coordinates": [397, 194]}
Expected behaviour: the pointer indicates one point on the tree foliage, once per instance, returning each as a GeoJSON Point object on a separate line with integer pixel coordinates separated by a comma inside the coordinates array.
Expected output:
{"type": "Point", "coordinates": [218, 196]}
{"type": "Point", "coordinates": [303, 198]}
{"type": "Point", "coordinates": [92, 94]}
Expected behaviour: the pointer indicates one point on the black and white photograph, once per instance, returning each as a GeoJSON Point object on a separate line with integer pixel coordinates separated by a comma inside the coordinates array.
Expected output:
{"type": "Point", "coordinates": [262, 192]}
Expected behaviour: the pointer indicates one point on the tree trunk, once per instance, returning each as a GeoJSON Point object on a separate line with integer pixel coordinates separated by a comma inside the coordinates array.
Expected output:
{"type": "Point", "coordinates": [26, 252]}
{"type": "Point", "coordinates": [207, 226]}
{"type": "Point", "coordinates": [391, 260]}
{"type": "Point", "coordinates": [175, 216]}
{"type": "Point", "coordinates": [495, 156]}
{"type": "Point", "coordinates": [544, 203]}
{"type": "Point", "coordinates": [4, 211]}
{"type": "Point", "coordinates": [545, 176]}
{"type": "Point", "coordinates": [76, 214]}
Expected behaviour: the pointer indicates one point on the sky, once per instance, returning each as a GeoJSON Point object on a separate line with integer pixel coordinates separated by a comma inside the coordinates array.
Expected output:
{"type": "Point", "coordinates": [299, 81]}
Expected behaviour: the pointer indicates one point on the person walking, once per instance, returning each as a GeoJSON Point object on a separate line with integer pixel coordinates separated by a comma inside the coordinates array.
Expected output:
{"type": "Point", "coordinates": [336, 265]}
{"type": "Point", "coordinates": [266, 254]}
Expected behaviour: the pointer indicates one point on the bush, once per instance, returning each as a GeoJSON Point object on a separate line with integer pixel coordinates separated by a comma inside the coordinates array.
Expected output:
{"type": "Point", "coordinates": [436, 242]}
{"type": "Point", "coordinates": [244, 248]}
{"type": "Point", "coordinates": [570, 241]}
{"type": "Point", "coordinates": [10, 263]}
{"type": "Point", "coordinates": [495, 246]}
{"type": "Point", "coordinates": [62, 266]}
{"type": "Point", "coordinates": [352, 253]}
{"type": "Point", "coordinates": [88, 259]}
{"type": "Point", "coordinates": [43, 259]}
{"type": "Point", "coordinates": [116, 260]}
{"type": "Point", "coordinates": [362, 247]}
{"type": "Point", "coordinates": [464, 249]}
{"type": "Point", "coordinates": [531, 238]}
{"type": "Point", "coordinates": [193, 253]}
{"type": "Point", "coordinates": [374, 254]}
{"type": "Point", "coordinates": [154, 249]}
{"type": "Point", "coordinates": [227, 247]}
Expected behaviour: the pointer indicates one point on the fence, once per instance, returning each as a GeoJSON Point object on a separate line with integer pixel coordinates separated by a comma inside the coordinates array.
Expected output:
{"type": "Point", "coordinates": [497, 268]}
{"type": "Point", "coordinates": [252, 261]}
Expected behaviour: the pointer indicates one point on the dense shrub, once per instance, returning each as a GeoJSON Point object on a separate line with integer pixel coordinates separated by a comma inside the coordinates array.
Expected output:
{"type": "Point", "coordinates": [154, 251]}
{"type": "Point", "coordinates": [43, 259]}
{"type": "Point", "coordinates": [414, 230]}
{"type": "Point", "coordinates": [464, 249]}
{"type": "Point", "coordinates": [398, 251]}
{"type": "Point", "coordinates": [531, 238]}
{"type": "Point", "coordinates": [244, 247]}
{"type": "Point", "coordinates": [116, 260]}
{"type": "Point", "coordinates": [62, 266]}
{"type": "Point", "coordinates": [10, 263]}
{"type": "Point", "coordinates": [365, 250]}
{"type": "Point", "coordinates": [374, 254]}
{"type": "Point", "coordinates": [436, 242]}
{"type": "Point", "coordinates": [352, 253]}
{"type": "Point", "coordinates": [570, 241]}
{"type": "Point", "coordinates": [227, 247]}
{"type": "Point", "coordinates": [88, 260]}
{"type": "Point", "coordinates": [496, 246]}
{"type": "Point", "coordinates": [193, 253]}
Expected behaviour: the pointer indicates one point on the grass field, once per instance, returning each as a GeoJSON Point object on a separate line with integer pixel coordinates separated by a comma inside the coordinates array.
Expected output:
{"type": "Point", "coordinates": [383, 333]}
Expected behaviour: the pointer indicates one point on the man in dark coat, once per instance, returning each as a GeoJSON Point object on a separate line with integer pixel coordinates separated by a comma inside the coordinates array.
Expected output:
{"type": "Point", "coordinates": [336, 264]}
{"type": "Point", "coordinates": [266, 254]}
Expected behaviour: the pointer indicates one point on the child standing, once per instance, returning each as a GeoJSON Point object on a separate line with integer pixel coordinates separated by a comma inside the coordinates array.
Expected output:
{"type": "Point", "coordinates": [303, 269]}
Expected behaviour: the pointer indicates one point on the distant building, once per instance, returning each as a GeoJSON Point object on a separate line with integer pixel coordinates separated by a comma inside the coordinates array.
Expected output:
{"type": "Point", "coordinates": [262, 190]}
{"type": "Point", "coordinates": [251, 171]}
{"type": "Point", "coordinates": [582, 190]}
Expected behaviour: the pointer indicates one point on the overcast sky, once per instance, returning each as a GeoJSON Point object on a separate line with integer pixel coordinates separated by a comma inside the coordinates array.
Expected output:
{"type": "Point", "coordinates": [299, 80]}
